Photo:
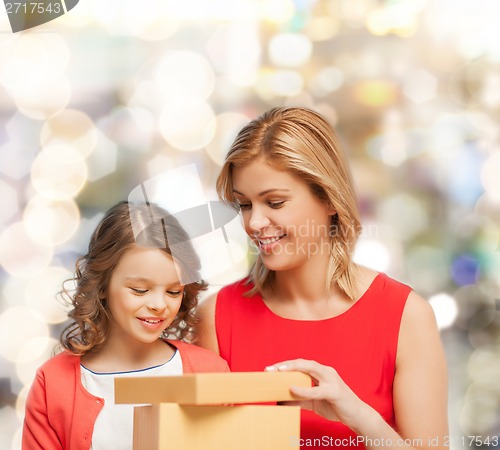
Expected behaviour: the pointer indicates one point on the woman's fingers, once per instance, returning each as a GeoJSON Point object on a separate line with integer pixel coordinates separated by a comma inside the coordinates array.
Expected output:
{"type": "Point", "coordinates": [314, 369]}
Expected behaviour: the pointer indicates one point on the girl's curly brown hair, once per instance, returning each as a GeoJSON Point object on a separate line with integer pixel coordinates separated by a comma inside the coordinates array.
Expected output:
{"type": "Point", "coordinates": [125, 225]}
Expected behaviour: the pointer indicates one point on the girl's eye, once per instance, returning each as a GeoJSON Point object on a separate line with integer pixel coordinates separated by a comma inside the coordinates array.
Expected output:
{"type": "Point", "coordinates": [139, 291]}
{"type": "Point", "coordinates": [174, 293]}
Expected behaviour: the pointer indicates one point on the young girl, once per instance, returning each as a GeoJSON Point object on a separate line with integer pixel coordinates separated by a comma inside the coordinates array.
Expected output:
{"type": "Point", "coordinates": [128, 299]}
{"type": "Point", "coordinates": [370, 342]}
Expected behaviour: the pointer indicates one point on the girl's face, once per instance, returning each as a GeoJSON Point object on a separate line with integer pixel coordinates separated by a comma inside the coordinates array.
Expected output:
{"type": "Point", "coordinates": [144, 295]}
{"type": "Point", "coordinates": [284, 219]}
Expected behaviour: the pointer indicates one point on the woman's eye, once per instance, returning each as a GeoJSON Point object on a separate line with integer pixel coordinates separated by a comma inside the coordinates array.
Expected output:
{"type": "Point", "coordinates": [244, 206]}
{"type": "Point", "coordinates": [139, 291]}
{"type": "Point", "coordinates": [276, 205]}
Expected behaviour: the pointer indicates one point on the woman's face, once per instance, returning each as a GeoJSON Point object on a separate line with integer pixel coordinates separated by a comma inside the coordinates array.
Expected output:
{"type": "Point", "coordinates": [144, 295]}
{"type": "Point", "coordinates": [283, 218]}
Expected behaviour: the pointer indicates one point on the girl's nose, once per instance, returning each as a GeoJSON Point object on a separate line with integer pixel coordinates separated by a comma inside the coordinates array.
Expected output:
{"type": "Point", "coordinates": [156, 301]}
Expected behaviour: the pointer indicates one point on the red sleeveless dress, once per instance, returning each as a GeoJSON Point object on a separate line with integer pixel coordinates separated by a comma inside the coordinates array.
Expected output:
{"type": "Point", "coordinates": [360, 344]}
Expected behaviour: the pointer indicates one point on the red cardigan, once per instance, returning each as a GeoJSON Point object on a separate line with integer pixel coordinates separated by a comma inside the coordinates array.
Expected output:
{"type": "Point", "coordinates": [60, 412]}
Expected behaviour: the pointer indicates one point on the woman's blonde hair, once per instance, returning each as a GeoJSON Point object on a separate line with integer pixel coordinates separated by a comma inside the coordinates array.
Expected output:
{"type": "Point", "coordinates": [302, 142]}
{"type": "Point", "coordinates": [123, 226]}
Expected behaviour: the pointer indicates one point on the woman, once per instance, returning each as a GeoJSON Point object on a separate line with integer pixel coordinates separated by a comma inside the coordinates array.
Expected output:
{"type": "Point", "coordinates": [377, 358]}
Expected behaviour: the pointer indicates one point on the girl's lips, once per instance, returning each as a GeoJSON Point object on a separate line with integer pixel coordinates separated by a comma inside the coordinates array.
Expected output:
{"type": "Point", "coordinates": [152, 323]}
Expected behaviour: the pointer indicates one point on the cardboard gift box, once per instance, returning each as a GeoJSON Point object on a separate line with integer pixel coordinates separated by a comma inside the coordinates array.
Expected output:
{"type": "Point", "coordinates": [203, 412]}
{"type": "Point", "coordinates": [244, 427]}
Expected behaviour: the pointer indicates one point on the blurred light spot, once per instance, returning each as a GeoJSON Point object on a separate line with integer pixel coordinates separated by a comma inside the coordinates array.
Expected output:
{"type": "Point", "coordinates": [480, 411]}
{"type": "Point", "coordinates": [42, 294]}
{"type": "Point", "coordinates": [326, 81]}
{"type": "Point", "coordinates": [230, 261]}
{"type": "Point", "coordinates": [51, 222]}
{"type": "Point", "coordinates": [420, 86]}
{"type": "Point", "coordinates": [322, 28]}
{"type": "Point", "coordinates": [303, 98]}
{"type": "Point", "coordinates": [18, 436]}
{"type": "Point", "coordinates": [19, 325]}
{"type": "Point", "coordinates": [399, 18]}
{"type": "Point", "coordinates": [216, 10]}
{"type": "Point", "coordinates": [102, 161]}
{"type": "Point", "coordinates": [328, 111]}
{"type": "Point", "coordinates": [184, 181]}
{"type": "Point", "coordinates": [490, 178]}
{"type": "Point", "coordinates": [21, 404]}
{"type": "Point", "coordinates": [187, 123]}
{"type": "Point", "coordinates": [227, 127]}
{"type": "Point", "coordinates": [480, 80]}
{"type": "Point", "coordinates": [405, 213]}
{"type": "Point", "coordinates": [464, 269]}
{"type": "Point", "coordinates": [462, 180]}
{"type": "Point", "coordinates": [8, 422]}
{"type": "Point", "coordinates": [396, 144]}
{"type": "Point", "coordinates": [32, 355]}
{"type": "Point", "coordinates": [482, 320]}
{"type": "Point", "coordinates": [158, 164]}
{"type": "Point", "coordinates": [22, 132]}
{"type": "Point", "coordinates": [484, 364]}
{"type": "Point", "coordinates": [150, 22]}
{"type": "Point", "coordinates": [445, 308]}
{"type": "Point", "coordinates": [34, 348]}
{"type": "Point", "coordinates": [235, 51]}
{"type": "Point", "coordinates": [10, 291]}
{"type": "Point", "coordinates": [471, 300]}
{"type": "Point", "coordinates": [375, 93]}
{"type": "Point", "coordinates": [59, 172]}
{"type": "Point", "coordinates": [429, 268]}
{"type": "Point", "coordinates": [286, 83]}
{"type": "Point", "coordinates": [20, 256]}
{"type": "Point", "coordinates": [79, 17]}
{"type": "Point", "coordinates": [46, 55]}
{"type": "Point", "coordinates": [131, 128]}
{"type": "Point", "coordinates": [43, 98]}
{"type": "Point", "coordinates": [373, 254]}
{"type": "Point", "coordinates": [477, 233]}
{"type": "Point", "coordinates": [277, 11]}
{"type": "Point", "coordinates": [290, 50]}
{"type": "Point", "coordinates": [70, 127]}
{"type": "Point", "coordinates": [183, 73]}
{"type": "Point", "coordinates": [10, 205]}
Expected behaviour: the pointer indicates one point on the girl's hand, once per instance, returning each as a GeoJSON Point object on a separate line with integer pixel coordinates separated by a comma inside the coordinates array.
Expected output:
{"type": "Point", "coordinates": [330, 396]}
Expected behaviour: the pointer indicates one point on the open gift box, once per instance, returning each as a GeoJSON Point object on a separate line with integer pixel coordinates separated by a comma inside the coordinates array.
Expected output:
{"type": "Point", "coordinates": [210, 411]}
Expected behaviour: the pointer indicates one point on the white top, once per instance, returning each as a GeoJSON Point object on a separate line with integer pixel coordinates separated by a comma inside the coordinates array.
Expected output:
{"type": "Point", "coordinates": [114, 424]}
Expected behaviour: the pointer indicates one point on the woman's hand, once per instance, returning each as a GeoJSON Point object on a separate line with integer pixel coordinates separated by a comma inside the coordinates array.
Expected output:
{"type": "Point", "coordinates": [330, 396]}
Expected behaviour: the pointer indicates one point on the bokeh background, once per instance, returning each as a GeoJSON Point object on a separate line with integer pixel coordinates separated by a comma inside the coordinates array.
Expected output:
{"type": "Point", "coordinates": [118, 91]}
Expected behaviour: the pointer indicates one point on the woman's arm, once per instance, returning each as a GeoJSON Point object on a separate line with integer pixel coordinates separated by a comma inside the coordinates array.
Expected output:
{"type": "Point", "coordinates": [421, 380]}
{"type": "Point", "coordinates": [420, 389]}
{"type": "Point", "coordinates": [206, 336]}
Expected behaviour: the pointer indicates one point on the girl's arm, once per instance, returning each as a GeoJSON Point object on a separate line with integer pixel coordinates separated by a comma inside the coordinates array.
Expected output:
{"type": "Point", "coordinates": [207, 337]}
{"type": "Point", "coordinates": [420, 389]}
{"type": "Point", "coordinates": [37, 431]}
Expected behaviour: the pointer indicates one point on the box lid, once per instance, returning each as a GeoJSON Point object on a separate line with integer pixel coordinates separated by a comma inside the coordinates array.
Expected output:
{"type": "Point", "coordinates": [210, 388]}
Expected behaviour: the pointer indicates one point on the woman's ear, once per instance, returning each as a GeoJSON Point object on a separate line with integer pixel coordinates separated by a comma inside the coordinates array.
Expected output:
{"type": "Point", "coordinates": [331, 210]}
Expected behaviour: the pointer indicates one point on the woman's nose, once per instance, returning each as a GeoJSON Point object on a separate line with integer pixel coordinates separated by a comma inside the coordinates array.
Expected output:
{"type": "Point", "coordinates": [258, 220]}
